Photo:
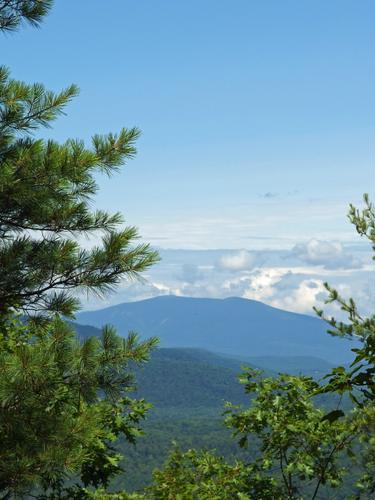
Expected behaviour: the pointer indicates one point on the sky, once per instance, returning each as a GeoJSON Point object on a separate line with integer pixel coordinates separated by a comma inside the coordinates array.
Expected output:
{"type": "Point", "coordinates": [258, 130]}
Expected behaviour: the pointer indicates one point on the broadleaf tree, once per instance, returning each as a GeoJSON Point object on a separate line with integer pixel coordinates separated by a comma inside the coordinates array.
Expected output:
{"type": "Point", "coordinates": [294, 452]}
{"type": "Point", "coordinates": [358, 381]}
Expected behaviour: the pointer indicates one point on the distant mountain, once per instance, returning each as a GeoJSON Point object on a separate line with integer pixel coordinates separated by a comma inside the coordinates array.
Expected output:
{"type": "Point", "coordinates": [85, 331]}
{"type": "Point", "coordinates": [187, 388]}
{"type": "Point", "coordinates": [185, 378]}
{"type": "Point", "coordinates": [270, 365]}
{"type": "Point", "coordinates": [233, 326]}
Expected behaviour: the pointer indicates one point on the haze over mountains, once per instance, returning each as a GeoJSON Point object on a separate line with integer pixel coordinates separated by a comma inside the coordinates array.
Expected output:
{"type": "Point", "coordinates": [237, 327]}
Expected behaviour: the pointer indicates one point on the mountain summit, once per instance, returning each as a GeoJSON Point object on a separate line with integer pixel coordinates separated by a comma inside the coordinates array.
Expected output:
{"type": "Point", "coordinates": [233, 326]}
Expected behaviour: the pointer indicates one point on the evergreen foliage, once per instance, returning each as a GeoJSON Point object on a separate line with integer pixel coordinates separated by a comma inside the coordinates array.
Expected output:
{"type": "Point", "coordinates": [46, 190]}
{"type": "Point", "coordinates": [13, 12]}
{"type": "Point", "coordinates": [62, 402]}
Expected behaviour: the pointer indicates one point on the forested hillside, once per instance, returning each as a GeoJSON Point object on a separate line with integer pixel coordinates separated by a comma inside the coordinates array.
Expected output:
{"type": "Point", "coordinates": [188, 389]}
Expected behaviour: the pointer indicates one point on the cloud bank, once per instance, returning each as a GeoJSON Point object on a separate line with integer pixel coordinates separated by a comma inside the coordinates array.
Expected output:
{"type": "Point", "coordinates": [329, 254]}
{"type": "Point", "coordinates": [291, 279]}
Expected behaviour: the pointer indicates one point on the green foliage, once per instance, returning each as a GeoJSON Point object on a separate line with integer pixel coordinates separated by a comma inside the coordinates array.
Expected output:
{"type": "Point", "coordinates": [46, 190]}
{"type": "Point", "coordinates": [293, 434]}
{"type": "Point", "coordinates": [289, 450]}
{"type": "Point", "coordinates": [172, 381]}
{"type": "Point", "coordinates": [366, 460]}
{"type": "Point", "coordinates": [13, 12]}
{"type": "Point", "coordinates": [204, 431]}
{"type": "Point", "coordinates": [202, 475]}
{"type": "Point", "coordinates": [78, 493]}
{"type": "Point", "coordinates": [301, 450]}
{"type": "Point", "coordinates": [63, 402]}
{"type": "Point", "coordinates": [359, 380]}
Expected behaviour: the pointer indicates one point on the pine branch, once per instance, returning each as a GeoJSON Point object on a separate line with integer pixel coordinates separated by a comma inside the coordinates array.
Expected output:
{"type": "Point", "coordinates": [13, 12]}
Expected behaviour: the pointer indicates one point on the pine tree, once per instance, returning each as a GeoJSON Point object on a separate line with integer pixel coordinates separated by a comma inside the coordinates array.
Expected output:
{"type": "Point", "coordinates": [13, 12]}
{"type": "Point", "coordinates": [63, 402]}
{"type": "Point", "coordinates": [46, 190]}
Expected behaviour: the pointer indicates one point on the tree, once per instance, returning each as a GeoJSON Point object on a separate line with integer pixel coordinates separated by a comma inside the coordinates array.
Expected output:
{"type": "Point", "coordinates": [297, 442]}
{"type": "Point", "coordinates": [46, 189]}
{"type": "Point", "coordinates": [294, 450]}
{"type": "Point", "coordinates": [13, 12]}
{"type": "Point", "coordinates": [359, 381]}
{"type": "Point", "coordinates": [62, 401]}
{"type": "Point", "coordinates": [203, 475]}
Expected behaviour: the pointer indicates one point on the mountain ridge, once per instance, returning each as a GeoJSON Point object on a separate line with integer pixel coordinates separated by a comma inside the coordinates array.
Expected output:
{"type": "Point", "coordinates": [233, 326]}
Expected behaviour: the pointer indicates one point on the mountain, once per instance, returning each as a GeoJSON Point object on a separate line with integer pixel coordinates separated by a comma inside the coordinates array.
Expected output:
{"type": "Point", "coordinates": [187, 388]}
{"type": "Point", "coordinates": [85, 331]}
{"type": "Point", "coordinates": [191, 380]}
{"type": "Point", "coordinates": [270, 365]}
{"type": "Point", "coordinates": [233, 326]}
{"type": "Point", "coordinates": [294, 365]}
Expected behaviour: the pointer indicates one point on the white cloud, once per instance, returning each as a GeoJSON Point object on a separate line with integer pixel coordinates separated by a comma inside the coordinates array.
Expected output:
{"type": "Point", "coordinates": [257, 285]}
{"type": "Point", "coordinates": [190, 273]}
{"type": "Point", "coordinates": [330, 254]}
{"type": "Point", "coordinates": [279, 287]}
{"type": "Point", "coordinates": [261, 286]}
{"type": "Point", "coordinates": [285, 282]}
{"type": "Point", "coordinates": [282, 217]}
{"type": "Point", "coordinates": [302, 299]}
{"type": "Point", "coordinates": [238, 261]}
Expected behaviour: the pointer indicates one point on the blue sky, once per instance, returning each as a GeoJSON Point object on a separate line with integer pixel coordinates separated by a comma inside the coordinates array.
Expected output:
{"type": "Point", "coordinates": [257, 117]}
